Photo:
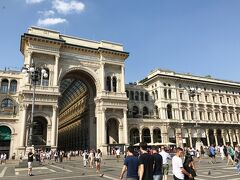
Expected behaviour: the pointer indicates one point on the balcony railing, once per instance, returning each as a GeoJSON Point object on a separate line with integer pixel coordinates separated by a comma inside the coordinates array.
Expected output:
{"type": "Point", "coordinates": [28, 87]}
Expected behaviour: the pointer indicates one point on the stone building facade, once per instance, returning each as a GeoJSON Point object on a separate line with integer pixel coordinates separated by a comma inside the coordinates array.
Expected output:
{"type": "Point", "coordinates": [161, 108]}
{"type": "Point", "coordinates": [77, 106]}
{"type": "Point", "coordinates": [84, 103]}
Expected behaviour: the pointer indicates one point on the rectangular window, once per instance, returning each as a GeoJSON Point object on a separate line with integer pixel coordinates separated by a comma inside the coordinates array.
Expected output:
{"type": "Point", "coordinates": [224, 116]}
{"type": "Point", "coordinates": [198, 97]}
{"type": "Point", "coordinates": [228, 100]}
{"type": "Point", "coordinates": [206, 98]}
{"type": "Point", "coordinates": [221, 99]}
{"type": "Point", "coordinates": [181, 96]}
{"type": "Point", "coordinates": [214, 99]}
{"type": "Point", "coordinates": [192, 115]}
{"type": "Point", "coordinates": [209, 116]}
{"type": "Point", "coordinates": [216, 116]}
{"type": "Point", "coordinates": [183, 114]}
{"type": "Point", "coordinates": [201, 115]}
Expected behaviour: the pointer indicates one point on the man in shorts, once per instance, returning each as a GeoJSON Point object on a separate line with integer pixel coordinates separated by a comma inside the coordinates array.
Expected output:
{"type": "Point", "coordinates": [165, 167]}
{"type": "Point", "coordinates": [30, 161]}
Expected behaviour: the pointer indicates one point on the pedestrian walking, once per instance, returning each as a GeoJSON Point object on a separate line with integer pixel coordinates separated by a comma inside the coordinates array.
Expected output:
{"type": "Point", "coordinates": [165, 167]}
{"type": "Point", "coordinates": [177, 166]}
{"type": "Point", "coordinates": [145, 163]}
{"type": "Point", "coordinates": [85, 158]}
{"type": "Point", "coordinates": [230, 157]}
{"type": "Point", "coordinates": [158, 162]}
{"type": "Point", "coordinates": [98, 160]}
{"type": "Point", "coordinates": [30, 161]}
{"type": "Point", "coordinates": [130, 165]}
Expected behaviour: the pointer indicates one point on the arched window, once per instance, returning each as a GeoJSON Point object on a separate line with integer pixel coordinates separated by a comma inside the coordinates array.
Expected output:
{"type": "Point", "coordinates": [7, 103]}
{"type": "Point", "coordinates": [165, 93]}
{"type": "Point", "coordinates": [108, 83]}
{"type": "Point", "coordinates": [156, 92]}
{"type": "Point", "coordinates": [13, 86]}
{"type": "Point", "coordinates": [127, 92]}
{"type": "Point", "coordinates": [145, 111]}
{"type": "Point", "coordinates": [114, 84]}
{"type": "Point", "coordinates": [4, 86]}
{"type": "Point", "coordinates": [134, 136]}
{"type": "Point", "coordinates": [169, 94]}
{"type": "Point", "coordinates": [146, 137]}
{"type": "Point", "coordinates": [169, 111]}
{"type": "Point", "coordinates": [146, 96]}
{"type": "Point", "coordinates": [137, 96]}
{"type": "Point", "coordinates": [131, 95]}
{"type": "Point", "coordinates": [157, 135]}
{"type": "Point", "coordinates": [142, 96]}
{"type": "Point", "coordinates": [135, 111]}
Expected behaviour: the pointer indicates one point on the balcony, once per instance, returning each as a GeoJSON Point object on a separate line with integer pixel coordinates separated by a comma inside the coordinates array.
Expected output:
{"type": "Point", "coordinates": [41, 89]}
{"type": "Point", "coordinates": [8, 113]}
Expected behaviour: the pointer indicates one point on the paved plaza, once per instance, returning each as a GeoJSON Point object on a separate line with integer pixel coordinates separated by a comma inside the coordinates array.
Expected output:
{"type": "Point", "coordinates": [111, 168]}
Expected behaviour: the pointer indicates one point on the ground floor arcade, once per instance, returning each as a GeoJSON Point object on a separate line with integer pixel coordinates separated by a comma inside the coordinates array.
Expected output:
{"type": "Point", "coordinates": [186, 135]}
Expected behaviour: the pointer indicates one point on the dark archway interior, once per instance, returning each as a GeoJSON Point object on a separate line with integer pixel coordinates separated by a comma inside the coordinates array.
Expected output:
{"type": "Point", "coordinates": [5, 139]}
{"type": "Point", "coordinates": [39, 136]}
{"type": "Point", "coordinates": [76, 107]}
{"type": "Point", "coordinates": [112, 131]}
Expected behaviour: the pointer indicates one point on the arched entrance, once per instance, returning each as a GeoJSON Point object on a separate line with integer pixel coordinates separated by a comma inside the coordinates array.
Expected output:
{"type": "Point", "coordinates": [157, 135]}
{"type": "Point", "coordinates": [219, 137]}
{"type": "Point", "coordinates": [134, 136]}
{"type": "Point", "coordinates": [39, 131]}
{"type": "Point", "coordinates": [77, 123]}
{"type": "Point", "coordinates": [146, 135]}
{"type": "Point", "coordinates": [5, 140]}
{"type": "Point", "coordinates": [211, 136]}
{"type": "Point", "coordinates": [112, 131]}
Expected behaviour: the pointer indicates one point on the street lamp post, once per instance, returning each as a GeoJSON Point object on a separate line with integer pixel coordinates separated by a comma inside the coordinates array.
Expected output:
{"type": "Point", "coordinates": [36, 74]}
{"type": "Point", "coordinates": [192, 93]}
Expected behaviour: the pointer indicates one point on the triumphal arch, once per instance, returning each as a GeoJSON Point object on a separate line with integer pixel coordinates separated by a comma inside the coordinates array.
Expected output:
{"type": "Point", "coordinates": [82, 103]}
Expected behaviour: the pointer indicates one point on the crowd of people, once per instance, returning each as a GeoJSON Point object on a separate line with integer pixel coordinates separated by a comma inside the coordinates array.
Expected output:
{"type": "Point", "coordinates": [145, 163]}
{"type": "Point", "coordinates": [153, 163]}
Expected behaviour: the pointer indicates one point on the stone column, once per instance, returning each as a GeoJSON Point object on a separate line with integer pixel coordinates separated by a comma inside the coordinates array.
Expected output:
{"type": "Point", "coordinates": [120, 134]}
{"type": "Point", "coordinates": [223, 136]}
{"type": "Point", "coordinates": [103, 76]}
{"type": "Point", "coordinates": [190, 137]}
{"type": "Point", "coordinates": [151, 134]}
{"type": "Point", "coordinates": [123, 79]}
{"type": "Point", "coordinates": [23, 126]}
{"type": "Point", "coordinates": [237, 134]}
{"type": "Point", "coordinates": [140, 135]}
{"type": "Point", "coordinates": [55, 78]}
{"type": "Point", "coordinates": [207, 135]}
{"type": "Point", "coordinates": [54, 125]}
{"type": "Point", "coordinates": [215, 136]}
{"type": "Point", "coordinates": [179, 137]}
{"type": "Point", "coordinates": [28, 58]}
{"type": "Point", "coordinates": [103, 125]}
{"type": "Point", "coordinates": [125, 127]}
{"type": "Point", "coordinates": [230, 136]}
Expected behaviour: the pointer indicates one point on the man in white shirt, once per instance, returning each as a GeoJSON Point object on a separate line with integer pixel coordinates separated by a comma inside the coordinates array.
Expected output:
{"type": "Point", "coordinates": [165, 157]}
{"type": "Point", "coordinates": [177, 166]}
{"type": "Point", "coordinates": [118, 154]}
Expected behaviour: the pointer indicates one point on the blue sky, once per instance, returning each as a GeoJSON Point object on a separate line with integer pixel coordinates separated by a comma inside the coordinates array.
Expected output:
{"type": "Point", "coordinates": [201, 37]}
